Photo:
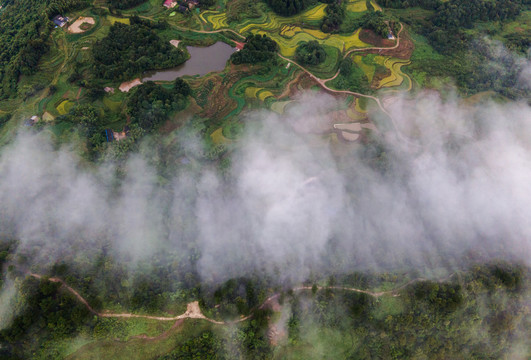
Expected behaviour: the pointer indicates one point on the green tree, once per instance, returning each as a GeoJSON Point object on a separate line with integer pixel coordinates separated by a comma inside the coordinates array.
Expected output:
{"type": "Point", "coordinates": [310, 53]}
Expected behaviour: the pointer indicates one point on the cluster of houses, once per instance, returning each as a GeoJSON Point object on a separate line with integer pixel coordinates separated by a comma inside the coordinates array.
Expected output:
{"type": "Point", "coordinates": [182, 5]}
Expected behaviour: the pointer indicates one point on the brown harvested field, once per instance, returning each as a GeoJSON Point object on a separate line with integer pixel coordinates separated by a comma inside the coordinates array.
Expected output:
{"type": "Point", "coordinates": [77, 27]}
{"type": "Point", "coordinates": [288, 92]}
{"type": "Point", "coordinates": [370, 37]}
{"type": "Point", "coordinates": [218, 103]}
{"type": "Point", "coordinates": [403, 51]}
{"type": "Point", "coordinates": [379, 76]}
{"type": "Point", "coordinates": [180, 117]}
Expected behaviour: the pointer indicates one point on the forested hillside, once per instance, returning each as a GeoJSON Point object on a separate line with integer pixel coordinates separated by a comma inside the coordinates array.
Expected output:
{"type": "Point", "coordinates": [125, 4]}
{"type": "Point", "coordinates": [425, 319]}
{"type": "Point", "coordinates": [289, 7]}
{"type": "Point", "coordinates": [452, 30]}
{"type": "Point", "coordinates": [129, 50]}
{"type": "Point", "coordinates": [272, 179]}
{"type": "Point", "coordinates": [25, 28]}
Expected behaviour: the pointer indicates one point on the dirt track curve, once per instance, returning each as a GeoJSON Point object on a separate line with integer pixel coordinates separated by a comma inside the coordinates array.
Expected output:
{"type": "Point", "coordinates": [193, 310]}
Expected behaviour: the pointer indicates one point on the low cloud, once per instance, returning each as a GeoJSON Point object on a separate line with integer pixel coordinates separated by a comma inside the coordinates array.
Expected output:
{"type": "Point", "coordinates": [456, 185]}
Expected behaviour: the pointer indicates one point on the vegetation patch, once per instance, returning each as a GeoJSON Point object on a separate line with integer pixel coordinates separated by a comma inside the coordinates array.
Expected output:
{"type": "Point", "coordinates": [310, 53]}
{"type": "Point", "coordinates": [64, 107]}
{"type": "Point", "coordinates": [124, 4]}
{"type": "Point", "coordinates": [149, 104]}
{"type": "Point", "coordinates": [257, 48]}
{"type": "Point", "coordinates": [397, 76]}
{"type": "Point", "coordinates": [114, 20]}
{"type": "Point", "coordinates": [130, 50]}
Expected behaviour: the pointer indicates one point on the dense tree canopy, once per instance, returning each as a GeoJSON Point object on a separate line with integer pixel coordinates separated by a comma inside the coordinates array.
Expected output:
{"type": "Point", "coordinates": [149, 104]}
{"type": "Point", "coordinates": [24, 32]}
{"type": "Point", "coordinates": [129, 50]}
{"type": "Point", "coordinates": [289, 7]}
{"type": "Point", "coordinates": [375, 21]}
{"type": "Point", "coordinates": [335, 14]}
{"type": "Point", "coordinates": [47, 312]}
{"type": "Point", "coordinates": [445, 27]}
{"type": "Point", "coordinates": [402, 4]}
{"type": "Point", "coordinates": [310, 53]}
{"type": "Point", "coordinates": [351, 77]}
{"type": "Point", "coordinates": [124, 4]}
{"type": "Point", "coordinates": [468, 55]}
{"type": "Point", "coordinates": [258, 48]}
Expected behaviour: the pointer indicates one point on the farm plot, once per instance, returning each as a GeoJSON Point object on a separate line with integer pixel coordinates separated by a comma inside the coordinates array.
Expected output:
{"type": "Point", "coordinates": [64, 107]}
{"type": "Point", "coordinates": [280, 106]}
{"type": "Point", "coordinates": [114, 19]}
{"type": "Point", "coordinates": [288, 31]}
{"type": "Point", "coordinates": [368, 69]}
{"type": "Point", "coordinates": [357, 5]}
{"type": "Point", "coordinates": [397, 76]}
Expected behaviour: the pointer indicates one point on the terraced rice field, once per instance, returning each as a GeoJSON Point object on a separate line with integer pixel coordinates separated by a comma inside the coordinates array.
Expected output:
{"type": "Point", "coordinates": [397, 76]}
{"type": "Point", "coordinates": [375, 6]}
{"type": "Point", "coordinates": [114, 20]}
{"type": "Point", "coordinates": [280, 106]}
{"type": "Point", "coordinates": [357, 5]}
{"type": "Point", "coordinates": [64, 107]}
{"type": "Point", "coordinates": [265, 94]}
{"type": "Point", "coordinates": [368, 69]}
{"type": "Point", "coordinates": [287, 31]}
{"type": "Point", "coordinates": [252, 92]}
{"type": "Point", "coordinates": [354, 115]}
{"type": "Point", "coordinates": [218, 137]}
{"type": "Point", "coordinates": [257, 93]}
{"type": "Point", "coordinates": [359, 107]}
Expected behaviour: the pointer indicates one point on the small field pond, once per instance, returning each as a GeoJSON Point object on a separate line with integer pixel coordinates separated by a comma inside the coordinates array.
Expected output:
{"type": "Point", "coordinates": [202, 61]}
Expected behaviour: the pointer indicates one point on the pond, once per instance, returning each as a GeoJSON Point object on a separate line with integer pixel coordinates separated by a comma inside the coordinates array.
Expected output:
{"type": "Point", "coordinates": [202, 61]}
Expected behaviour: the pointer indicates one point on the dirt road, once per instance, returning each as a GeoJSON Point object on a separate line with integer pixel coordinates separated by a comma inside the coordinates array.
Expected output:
{"type": "Point", "coordinates": [193, 310]}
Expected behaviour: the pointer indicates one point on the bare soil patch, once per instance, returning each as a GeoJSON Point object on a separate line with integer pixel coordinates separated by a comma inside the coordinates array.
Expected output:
{"type": "Point", "coordinates": [175, 42]}
{"type": "Point", "coordinates": [79, 25]}
{"type": "Point", "coordinates": [128, 85]}
{"type": "Point", "coordinates": [403, 51]}
{"type": "Point", "coordinates": [370, 37]}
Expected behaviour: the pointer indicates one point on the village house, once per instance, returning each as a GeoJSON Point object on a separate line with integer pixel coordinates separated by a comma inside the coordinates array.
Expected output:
{"type": "Point", "coordinates": [192, 3]}
{"type": "Point", "coordinates": [183, 6]}
{"type": "Point", "coordinates": [170, 3]}
{"type": "Point", "coordinates": [31, 121]}
{"type": "Point", "coordinates": [109, 135]}
{"type": "Point", "coordinates": [60, 20]}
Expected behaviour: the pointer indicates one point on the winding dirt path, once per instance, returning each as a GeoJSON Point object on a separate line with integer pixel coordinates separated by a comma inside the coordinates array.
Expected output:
{"type": "Point", "coordinates": [193, 311]}
{"type": "Point", "coordinates": [378, 48]}
{"type": "Point", "coordinates": [288, 86]}
{"type": "Point", "coordinates": [322, 83]}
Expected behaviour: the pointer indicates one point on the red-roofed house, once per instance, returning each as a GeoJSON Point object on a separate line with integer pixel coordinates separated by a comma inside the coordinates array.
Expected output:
{"type": "Point", "coordinates": [170, 3]}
